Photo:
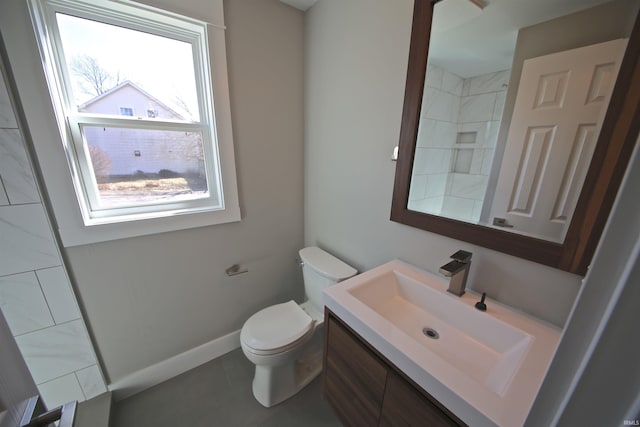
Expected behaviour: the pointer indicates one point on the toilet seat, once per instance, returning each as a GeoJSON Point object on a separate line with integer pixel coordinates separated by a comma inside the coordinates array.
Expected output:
{"type": "Point", "coordinates": [276, 328]}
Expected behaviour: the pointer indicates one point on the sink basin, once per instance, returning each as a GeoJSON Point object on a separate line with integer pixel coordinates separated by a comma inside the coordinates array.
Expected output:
{"type": "Point", "coordinates": [486, 367]}
{"type": "Point", "coordinates": [485, 348]}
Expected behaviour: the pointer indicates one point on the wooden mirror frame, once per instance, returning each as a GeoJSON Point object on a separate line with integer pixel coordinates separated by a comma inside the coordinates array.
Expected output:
{"type": "Point", "coordinates": [615, 145]}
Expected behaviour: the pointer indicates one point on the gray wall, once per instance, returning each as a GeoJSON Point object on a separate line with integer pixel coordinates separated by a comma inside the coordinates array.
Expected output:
{"type": "Point", "coordinates": [150, 298]}
{"type": "Point", "coordinates": [355, 69]}
{"type": "Point", "coordinates": [594, 377]}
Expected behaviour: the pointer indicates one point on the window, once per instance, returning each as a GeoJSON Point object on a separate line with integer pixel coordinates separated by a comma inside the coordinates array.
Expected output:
{"type": "Point", "coordinates": [151, 61]}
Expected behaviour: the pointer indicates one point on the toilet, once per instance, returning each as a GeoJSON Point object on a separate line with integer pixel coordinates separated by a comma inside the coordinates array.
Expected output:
{"type": "Point", "coordinates": [284, 341]}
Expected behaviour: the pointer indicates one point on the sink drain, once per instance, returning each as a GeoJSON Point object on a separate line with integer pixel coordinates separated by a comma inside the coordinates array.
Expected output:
{"type": "Point", "coordinates": [431, 333]}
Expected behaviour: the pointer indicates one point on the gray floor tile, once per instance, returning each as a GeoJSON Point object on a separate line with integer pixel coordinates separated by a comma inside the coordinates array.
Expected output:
{"type": "Point", "coordinates": [218, 393]}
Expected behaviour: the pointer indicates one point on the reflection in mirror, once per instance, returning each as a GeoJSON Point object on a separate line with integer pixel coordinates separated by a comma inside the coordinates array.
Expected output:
{"type": "Point", "coordinates": [511, 112]}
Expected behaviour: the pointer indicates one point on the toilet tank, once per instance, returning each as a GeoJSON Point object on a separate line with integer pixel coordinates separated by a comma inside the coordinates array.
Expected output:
{"type": "Point", "coordinates": [320, 269]}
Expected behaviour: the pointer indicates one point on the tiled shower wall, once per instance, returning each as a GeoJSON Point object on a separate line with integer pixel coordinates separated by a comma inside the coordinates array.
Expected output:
{"type": "Point", "coordinates": [36, 297]}
{"type": "Point", "coordinates": [458, 131]}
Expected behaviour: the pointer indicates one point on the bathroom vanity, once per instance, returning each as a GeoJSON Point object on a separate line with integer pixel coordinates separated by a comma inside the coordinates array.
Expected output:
{"type": "Point", "coordinates": [365, 389]}
{"type": "Point", "coordinates": [401, 350]}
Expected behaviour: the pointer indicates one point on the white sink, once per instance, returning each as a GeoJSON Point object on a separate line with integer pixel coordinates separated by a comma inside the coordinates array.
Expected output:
{"type": "Point", "coordinates": [485, 348]}
{"type": "Point", "coordinates": [484, 366]}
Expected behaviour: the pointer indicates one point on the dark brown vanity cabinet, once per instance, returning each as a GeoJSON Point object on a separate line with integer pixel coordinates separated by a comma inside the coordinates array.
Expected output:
{"type": "Point", "coordinates": [366, 390]}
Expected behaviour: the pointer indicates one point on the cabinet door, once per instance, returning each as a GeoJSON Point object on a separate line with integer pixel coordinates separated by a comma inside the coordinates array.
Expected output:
{"type": "Point", "coordinates": [354, 379]}
{"type": "Point", "coordinates": [405, 406]}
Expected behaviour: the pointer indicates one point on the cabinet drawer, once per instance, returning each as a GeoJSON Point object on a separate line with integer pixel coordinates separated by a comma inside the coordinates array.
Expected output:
{"type": "Point", "coordinates": [354, 378]}
{"type": "Point", "coordinates": [405, 406]}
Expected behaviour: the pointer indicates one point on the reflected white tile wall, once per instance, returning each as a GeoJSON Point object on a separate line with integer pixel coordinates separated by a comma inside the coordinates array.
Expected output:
{"type": "Point", "coordinates": [7, 119]}
{"type": "Point", "coordinates": [468, 186]}
{"type": "Point", "coordinates": [91, 381]}
{"type": "Point", "coordinates": [27, 242]}
{"type": "Point", "coordinates": [432, 205]}
{"type": "Point", "coordinates": [477, 210]}
{"type": "Point", "coordinates": [17, 176]}
{"type": "Point", "coordinates": [498, 109]}
{"type": "Point", "coordinates": [452, 83]}
{"type": "Point", "coordinates": [61, 390]}
{"type": "Point", "coordinates": [458, 208]}
{"type": "Point", "coordinates": [56, 351]}
{"type": "Point", "coordinates": [477, 108]}
{"type": "Point", "coordinates": [431, 160]}
{"type": "Point", "coordinates": [417, 188]}
{"type": "Point", "coordinates": [434, 76]}
{"type": "Point", "coordinates": [23, 303]}
{"type": "Point", "coordinates": [436, 185]}
{"type": "Point", "coordinates": [487, 161]}
{"type": "Point", "coordinates": [492, 133]}
{"type": "Point", "coordinates": [57, 291]}
{"type": "Point", "coordinates": [440, 105]}
{"type": "Point", "coordinates": [445, 134]}
{"type": "Point", "coordinates": [426, 133]}
{"type": "Point", "coordinates": [492, 82]}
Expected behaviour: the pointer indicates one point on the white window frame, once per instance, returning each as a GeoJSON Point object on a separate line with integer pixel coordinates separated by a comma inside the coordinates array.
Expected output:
{"type": "Point", "coordinates": [215, 126]}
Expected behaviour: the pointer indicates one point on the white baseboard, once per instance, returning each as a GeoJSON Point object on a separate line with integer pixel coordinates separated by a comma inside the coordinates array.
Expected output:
{"type": "Point", "coordinates": [155, 374]}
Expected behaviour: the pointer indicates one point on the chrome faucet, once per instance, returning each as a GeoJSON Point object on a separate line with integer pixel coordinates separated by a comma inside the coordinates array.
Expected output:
{"type": "Point", "coordinates": [457, 271]}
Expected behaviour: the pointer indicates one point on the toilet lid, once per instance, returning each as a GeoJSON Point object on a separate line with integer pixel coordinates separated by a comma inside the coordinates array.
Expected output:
{"type": "Point", "coordinates": [276, 326]}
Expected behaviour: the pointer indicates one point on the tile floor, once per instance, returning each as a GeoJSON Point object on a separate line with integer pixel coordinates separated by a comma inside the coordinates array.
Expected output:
{"type": "Point", "coordinates": [218, 394]}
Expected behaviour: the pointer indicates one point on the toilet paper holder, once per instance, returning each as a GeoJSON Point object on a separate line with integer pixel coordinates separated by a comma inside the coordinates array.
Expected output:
{"type": "Point", "coordinates": [234, 270]}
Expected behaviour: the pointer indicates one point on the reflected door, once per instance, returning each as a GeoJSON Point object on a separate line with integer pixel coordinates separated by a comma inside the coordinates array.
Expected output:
{"type": "Point", "coordinates": [561, 103]}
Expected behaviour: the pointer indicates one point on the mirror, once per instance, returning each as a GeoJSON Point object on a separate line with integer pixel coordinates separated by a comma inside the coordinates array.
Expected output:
{"type": "Point", "coordinates": [499, 146]}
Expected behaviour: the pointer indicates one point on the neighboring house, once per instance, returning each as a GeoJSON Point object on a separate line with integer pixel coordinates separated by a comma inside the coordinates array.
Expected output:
{"type": "Point", "coordinates": [131, 151]}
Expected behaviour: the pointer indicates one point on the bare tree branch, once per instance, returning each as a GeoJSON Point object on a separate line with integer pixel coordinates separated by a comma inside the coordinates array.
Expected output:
{"type": "Point", "coordinates": [91, 72]}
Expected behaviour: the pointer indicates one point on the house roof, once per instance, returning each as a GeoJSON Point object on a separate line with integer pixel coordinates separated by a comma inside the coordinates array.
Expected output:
{"type": "Point", "coordinates": [134, 86]}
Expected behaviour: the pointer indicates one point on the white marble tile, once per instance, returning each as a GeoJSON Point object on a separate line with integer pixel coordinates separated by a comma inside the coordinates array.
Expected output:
{"type": "Point", "coordinates": [445, 134]}
{"type": "Point", "coordinates": [61, 390]}
{"type": "Point", "coordinates": [492, 82]}
{"type": "Point", "coordinates": [439, 105]}
{"type": "Point", "coordinates": [452, 83]}
{"type": "Point", "coordinates": [426, 133]}
{"type": "Point", "coordinates": [431, 160]}
{"type": "Point", "coordinates": [493, 128]}
{"type": "Point", "coordinates": [465, 87]}
{"type": "Point", "coordinates": [462, 159]}
{"type": "Point", "coordinates": [480, 128]}
{"type": "Point", "coordinates": [487, 161]}
{"type": "Point", "coordinates": [7, 118]}
{"type": "Point", "coordinates": [477, 108]}
{"type": "Point", "coordinates": [434, 76]}
{"type": "Point", "coordinates": [477, 211]}
{"type": "Point", "coordinates": [468, 186]}
{"type": "Point", "coordinates": [91, 381]}
{"type": "Point", "coordinates": [498, 108]}
{"type": "Point", "coordinates": [418, 184]}
{"type": "Point", "coordinates": [23, 303]}
{"type": "Point", "coordinates": [4, 199]}
{"type": "Point", "coordinates": [476, 161]}
{"type": "Point", "coordinates": [58, 293]}
{"type": "Point", "coordinates": [15, 169]}
{"type": "Point", "coordinates": [435, 185]}
{"type": "Point", "coordinates": [56, 351]}
{"type": "Point", "coordinates": [457, 208]}
{"type": "Point", "coordinates": [27, 242]}
{"type": "Point", "coordinates": [432, 205]}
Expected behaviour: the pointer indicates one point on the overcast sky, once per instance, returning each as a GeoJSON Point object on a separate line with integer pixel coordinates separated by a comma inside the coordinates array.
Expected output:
{"type": "Point", "coordinates": [163, 67]}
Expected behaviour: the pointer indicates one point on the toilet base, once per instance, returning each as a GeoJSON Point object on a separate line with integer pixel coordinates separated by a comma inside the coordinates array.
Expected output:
{"type": "Point", "coordinates": [275, 384]}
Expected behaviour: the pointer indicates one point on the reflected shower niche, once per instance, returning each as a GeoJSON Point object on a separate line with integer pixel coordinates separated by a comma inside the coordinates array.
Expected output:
{"type": "Point", "coordinates": [456, 142]}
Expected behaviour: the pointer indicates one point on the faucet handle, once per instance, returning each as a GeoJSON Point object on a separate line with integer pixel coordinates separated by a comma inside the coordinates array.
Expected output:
{"type": "Point", "coordinates": [462, 256]}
